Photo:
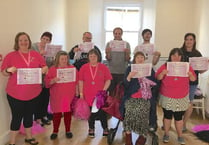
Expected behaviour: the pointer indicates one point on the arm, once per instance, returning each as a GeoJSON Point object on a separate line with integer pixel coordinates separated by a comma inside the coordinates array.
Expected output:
{"type": "Point", "coordinates": [156, 57]}
{"type": "Point", "coordinates": [161, 75]}
{"type": "Point", "coordinates": [108, 52]}
{"type": "Point", "coordinates": [8, 71]}
{"type": "Point", "coordinates": [80, 86]}
{"type": "Point", "coordinates": [106, 85]}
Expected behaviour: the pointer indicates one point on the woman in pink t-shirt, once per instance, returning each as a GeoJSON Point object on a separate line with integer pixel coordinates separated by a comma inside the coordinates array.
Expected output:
{"type": "Point", "coordinates": [22, 97]}
{"type": "Point", "coordinates": [174, 95]}
{"type": "Point", "coordinates": [62, 91]}
{"type": "Point", "coordinates": [94, 77]}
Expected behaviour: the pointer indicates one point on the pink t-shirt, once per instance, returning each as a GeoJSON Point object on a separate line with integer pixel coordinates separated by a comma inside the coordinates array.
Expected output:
{"type": "Point", "coordinates": [61, 94]}
{"type": "Point", "coordinates": [22, 92]}
{"type": "Point", "coordinates": [174, 87]}
{"type": "Point", "coordinates": [90, 86]}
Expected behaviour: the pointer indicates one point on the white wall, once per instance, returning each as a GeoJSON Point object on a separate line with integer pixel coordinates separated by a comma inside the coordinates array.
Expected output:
{"type": "Point", "coordinates": [33, 17]}
{"type": "Point", "coordinates": [173, 19]}
{"type": "Point", "coordinates": [68, 19]}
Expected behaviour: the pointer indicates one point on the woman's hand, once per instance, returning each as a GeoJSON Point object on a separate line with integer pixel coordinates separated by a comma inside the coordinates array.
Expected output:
{"type": "Point", "coordinates": [130, 75]}
{"type": "Point", "coordinates": [44, 69]}
{"type": "Point", "coordinates": [162, 74]}
{"type": "Point", "coordinates": [54, 80]}
{"type": "Point", "coordinates": [191, 76]}
{"type": "Point", "coordinates": [12, 69]}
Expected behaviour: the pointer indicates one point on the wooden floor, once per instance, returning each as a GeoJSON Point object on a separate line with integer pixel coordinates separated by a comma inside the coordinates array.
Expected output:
{"type": "Point", "coordinates": [80, 133]}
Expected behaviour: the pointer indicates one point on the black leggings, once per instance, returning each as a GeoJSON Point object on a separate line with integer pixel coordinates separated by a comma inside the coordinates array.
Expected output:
{"type": "Point", "coordinates": [21, 111]}
{"type": "Point", "coordinates": [177, 115]}
{"type": "Point", "coordinates": [42, 105]}
{"type": "Point", "coordinates": [100, 115]}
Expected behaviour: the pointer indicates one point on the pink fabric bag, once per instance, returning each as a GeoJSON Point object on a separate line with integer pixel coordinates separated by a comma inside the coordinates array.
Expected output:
{"type": "Point", "coordinates": [82, 110]}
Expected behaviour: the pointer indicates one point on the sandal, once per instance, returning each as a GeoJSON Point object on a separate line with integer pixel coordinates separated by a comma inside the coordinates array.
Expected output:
{"type": "Point", "coordinates": [31, 141]}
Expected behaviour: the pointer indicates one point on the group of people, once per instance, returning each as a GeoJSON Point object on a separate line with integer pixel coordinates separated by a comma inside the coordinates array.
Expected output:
{"type": "Point", "coordinates": [90, 76]}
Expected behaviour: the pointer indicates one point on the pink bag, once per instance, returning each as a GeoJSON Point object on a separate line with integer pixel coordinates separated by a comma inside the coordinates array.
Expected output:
{"type": "Point", "coordinates": [82, 110]}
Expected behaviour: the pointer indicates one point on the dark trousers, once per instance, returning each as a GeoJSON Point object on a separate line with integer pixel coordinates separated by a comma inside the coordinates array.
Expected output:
{"type": "Point", "coordinates": [100, 115]}
{"type": "Point", "coordinates": [153, 107]}
{"type": "Point", "coordinates": [42, 104]}
{"type": "Point", "coordinates": [116, 79]}
{"type": "Point", "coordinates": [21, 111]}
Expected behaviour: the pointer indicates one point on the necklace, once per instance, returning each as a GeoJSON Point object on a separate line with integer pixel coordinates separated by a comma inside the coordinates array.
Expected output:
{"type": "Point", "coordinates": [93, 75]}
{"type": "Point", "coordinates": [26, 61]}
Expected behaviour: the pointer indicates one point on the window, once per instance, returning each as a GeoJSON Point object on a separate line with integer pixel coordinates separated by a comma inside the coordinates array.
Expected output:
{"type": "Point", "coordinates": [128, 18]}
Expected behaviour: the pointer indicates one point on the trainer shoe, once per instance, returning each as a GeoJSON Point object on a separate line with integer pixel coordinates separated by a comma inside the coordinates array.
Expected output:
{"type": "Point", "coordinates": [165, 138]}
{"type": "Point", "coordinates": [181, 140]}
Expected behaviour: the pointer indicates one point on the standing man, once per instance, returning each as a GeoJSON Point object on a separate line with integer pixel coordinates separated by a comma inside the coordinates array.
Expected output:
{"type": "Point", "coordinates": [79, 55]}
{"type": "Point", "coordinates": [152, 56]}
{"type": "Point", "coordinates": [118, 56]}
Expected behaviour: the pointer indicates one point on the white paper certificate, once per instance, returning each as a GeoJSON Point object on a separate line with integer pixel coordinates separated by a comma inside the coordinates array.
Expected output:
{"type": "Point", "coordinates": [142, 70]}
{"type": "Point", "coordinates": [29, 76]}
{"type": "Point", "coordinates": [66, 75]}
{"type": "Point", "coordinates": [199, 63]}
{"type": "Point", "coordinates": [86, 46]}
{"type": "Point", "coordinates": [51, 50]}
{"type": "Point", "coordinates": [179, 69]}
{"type": "Point", "coordinates": [117, 45]}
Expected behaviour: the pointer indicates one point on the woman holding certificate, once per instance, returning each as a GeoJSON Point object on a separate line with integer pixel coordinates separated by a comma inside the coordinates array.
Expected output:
{"type": "Point", "coordinates": [189, 50]}
{"type": "Point", "coordinates": [93, 78]}
{"type": "Point", "coordinates": [42, 107]}
{"type": "Point", "coordinates": [62, 81]}
{"type": "Point", "coordinates": [136, 100]}
{"type": "Point", "coordinates": [175, 76]}
{"type": "Point", "coordinates": [24, 68]}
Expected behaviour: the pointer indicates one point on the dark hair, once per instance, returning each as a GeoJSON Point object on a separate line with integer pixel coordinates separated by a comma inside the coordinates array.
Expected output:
{"type": "Point", "coordinates": [136, 54]}
{"type": "Point", "coordinates": [118, 28]}
{"type": "Point", "coordinates": [174, 51]}
{"type": "Point", "coordinates": [194, 37]}
{"type": "Point", "coordinates": [57, 57]}
{"type": "Point", "coordinates": [94, 51]}
{"type": "Point", "coordinates": [145, 31]}
{"type": "Point", "coordinates": [47, 34]}
{"type": "Point", "coordinates": [16, 46]}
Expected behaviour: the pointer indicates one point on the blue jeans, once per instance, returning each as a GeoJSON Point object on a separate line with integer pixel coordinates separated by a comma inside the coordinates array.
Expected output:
{"type": "Point", "coordinates": [192, 89]}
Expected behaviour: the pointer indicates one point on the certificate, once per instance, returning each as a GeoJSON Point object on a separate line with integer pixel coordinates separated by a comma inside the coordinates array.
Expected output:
{"type": "Point", "coordinates": [66, 75]}
{"type": "Point", "coordinates": [179, 69]}
{"type": "Point", "coordinates": [51, 50]}
{"type": "Point", "coordinates": [29, 76]}
{"type": "Point", "coordinates": [142, 70]}
{"type": "Point", "coordinates": [147, 49]}
{"type": "Point", "coordinates": [117, 45]}
{"type": "Point", "coordinates": [86, 46]}
{"type": "Point", "coordinates": [199, 63]}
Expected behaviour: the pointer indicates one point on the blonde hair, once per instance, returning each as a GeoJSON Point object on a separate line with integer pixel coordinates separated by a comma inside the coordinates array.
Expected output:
{"type": "Point", "coordinates": [57, 57]}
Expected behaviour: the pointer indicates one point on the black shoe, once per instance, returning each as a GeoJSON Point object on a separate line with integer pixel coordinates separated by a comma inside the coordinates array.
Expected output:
{"type": "Point", "coordinates": [69, 135]}
{"type": "Point", "coordinates": [53, 136]}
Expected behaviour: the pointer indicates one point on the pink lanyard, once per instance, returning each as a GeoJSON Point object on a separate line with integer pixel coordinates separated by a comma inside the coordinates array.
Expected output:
{"type": "Point", "coordinates": [26, 61]}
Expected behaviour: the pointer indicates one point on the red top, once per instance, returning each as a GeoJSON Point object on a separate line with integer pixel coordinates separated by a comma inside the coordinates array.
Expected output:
{"type": "Point", "coordinates": [61, 94]}
{"type": "Point", "coordinates": [92, 86]}
{"type": "Point", "coordinates": [28, 91]}
{"type": "Point", "coordinates": [174, 87]}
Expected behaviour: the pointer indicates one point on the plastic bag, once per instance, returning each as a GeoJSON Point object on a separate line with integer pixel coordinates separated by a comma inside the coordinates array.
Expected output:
{"type": "Point", "coordinates": [82, 110]}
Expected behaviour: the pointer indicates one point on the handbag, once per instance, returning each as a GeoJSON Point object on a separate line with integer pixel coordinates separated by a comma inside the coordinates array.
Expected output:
{"type": "Point", "coordinates": [112, 104]}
